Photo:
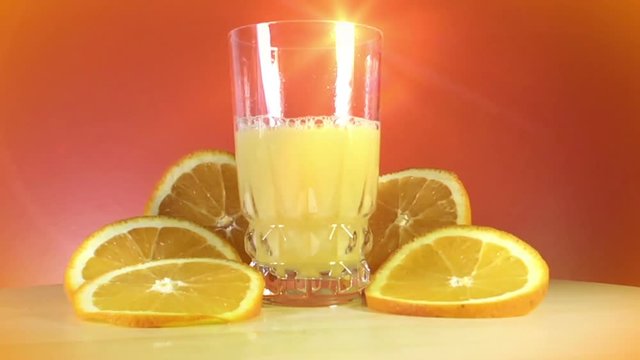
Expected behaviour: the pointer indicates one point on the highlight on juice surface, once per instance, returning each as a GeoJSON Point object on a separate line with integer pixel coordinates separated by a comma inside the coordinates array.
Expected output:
{"type": "Point", "coordinates": [307, 150]}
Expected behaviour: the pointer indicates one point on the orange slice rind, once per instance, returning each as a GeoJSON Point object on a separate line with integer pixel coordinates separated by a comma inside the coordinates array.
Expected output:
{"type": "Point", "coordinates": [411, 203]}
{"type": "Point", "coordinates": [139, 240]}
{"type": "Point", "coordinates": [461, 271]}
{"type": "Point", "coordinates": [172, 292]}
{"type": "Point", "coordinates": [202, 187]}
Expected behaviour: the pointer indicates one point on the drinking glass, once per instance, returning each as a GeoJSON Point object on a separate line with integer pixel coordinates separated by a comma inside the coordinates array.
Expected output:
{"type": "Point", "coordinates": [307, 139]}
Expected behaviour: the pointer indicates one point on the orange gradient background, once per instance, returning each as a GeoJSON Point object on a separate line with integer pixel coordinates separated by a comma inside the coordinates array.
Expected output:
{"type": "Point", "coordinates": [535, 104]}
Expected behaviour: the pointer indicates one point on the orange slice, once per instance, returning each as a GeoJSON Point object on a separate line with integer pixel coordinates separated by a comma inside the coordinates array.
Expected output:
{"type": "Point", "coordinates": [172, 292]}
{"type": "Point", "coordinates": [203, 187]}
{"type": "Point", "coordinates": [140, 240]}
{"type": "Point", "coordinates": [461, 271]}
{"type": "Point", "coordinates": [411, 203]}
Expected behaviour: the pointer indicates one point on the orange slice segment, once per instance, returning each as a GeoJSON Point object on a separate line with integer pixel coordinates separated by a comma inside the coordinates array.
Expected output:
{"type": "Point", "coordinates": [140, 240]}
{"type": "Point", "coordinates": [411, 203]}
{"type": "Point", "coordinates": [461, 271]}
{"type": "Point", "coordinates": [202, 187]}
{"type": "Point", "coordinates": [172, 292]}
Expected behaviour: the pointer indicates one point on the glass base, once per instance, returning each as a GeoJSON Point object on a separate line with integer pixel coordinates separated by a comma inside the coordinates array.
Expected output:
{"type": "Point", "coordinates": [324, 290]}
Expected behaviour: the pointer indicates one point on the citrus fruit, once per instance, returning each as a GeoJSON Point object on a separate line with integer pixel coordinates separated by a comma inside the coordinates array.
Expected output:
{"type": "Point", "coordinates": [172, 292]}
{"type": "Point", "coordinates": [411, 203]}
{"type": "Point", "coordinates": [203, 187]}
{"type": "Point", "coordinates": [139, 240]}
{"type": "Point", "coordinates": [461, 271]}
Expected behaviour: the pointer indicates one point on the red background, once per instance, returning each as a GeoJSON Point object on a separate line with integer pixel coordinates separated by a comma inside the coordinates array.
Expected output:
{"type": "Point", "coordinates": [535, 104]}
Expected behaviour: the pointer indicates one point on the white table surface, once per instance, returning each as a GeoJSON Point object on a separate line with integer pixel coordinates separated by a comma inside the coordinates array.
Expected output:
{"type": "Point", "coordinates": [577, 320]}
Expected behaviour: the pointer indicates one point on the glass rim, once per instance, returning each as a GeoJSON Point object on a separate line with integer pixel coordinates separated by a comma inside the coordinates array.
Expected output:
{"type": "Point", "coordinates": [377, 33]}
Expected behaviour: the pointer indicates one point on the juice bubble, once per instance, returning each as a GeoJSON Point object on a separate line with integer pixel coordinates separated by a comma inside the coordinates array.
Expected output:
{"type": "Point", "coordinates": [264, 122]}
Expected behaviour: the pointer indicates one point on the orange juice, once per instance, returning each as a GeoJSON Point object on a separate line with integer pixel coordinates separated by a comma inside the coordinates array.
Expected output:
{"type": "Point", "coordinates": [308, 186]}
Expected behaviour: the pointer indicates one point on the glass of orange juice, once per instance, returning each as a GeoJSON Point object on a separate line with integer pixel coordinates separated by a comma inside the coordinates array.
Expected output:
{"type": "Point", "coordinates": [307, 137]}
